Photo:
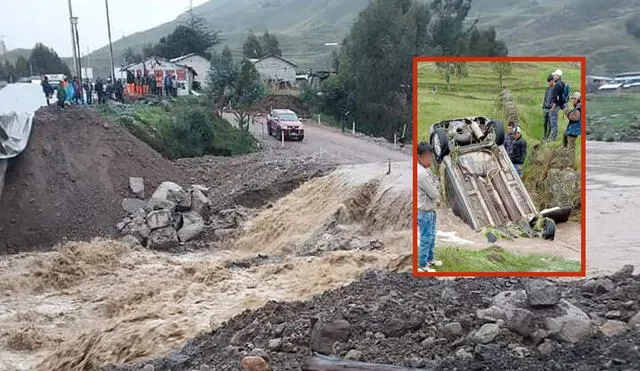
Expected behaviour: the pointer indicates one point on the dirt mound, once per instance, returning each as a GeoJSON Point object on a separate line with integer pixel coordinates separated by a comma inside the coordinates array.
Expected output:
{"type": "Point", "coordinates": [389, 318]}
{"type": "Point", "coordinates": [70, 180]}
{"type": "Point", "coordinates": [282, 101]}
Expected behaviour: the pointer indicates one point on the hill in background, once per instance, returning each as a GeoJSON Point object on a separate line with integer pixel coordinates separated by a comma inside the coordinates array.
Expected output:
{"type": "Point", "coordinates": [529, 27]}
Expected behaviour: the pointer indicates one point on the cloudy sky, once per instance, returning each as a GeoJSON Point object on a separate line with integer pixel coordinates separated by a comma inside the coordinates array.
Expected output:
{"type": "Point", "coordinates": [26, 22]}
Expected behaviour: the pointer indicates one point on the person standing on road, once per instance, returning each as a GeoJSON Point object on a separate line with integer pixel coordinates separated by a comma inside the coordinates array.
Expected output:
{"type": "Point", "coordinates": [47, 89]}
{"type": "Point", "coordinates": [574, 129]}
{"type": "Point", "coordinates": [77, 91]}
{"type": "Point", "coordinates": [519, 153]}
{"type": "Point", "coordinates": [427, 201]}
{"type": "Point", "coordinates": [558, 102]}
{"type": "Point", "coordinates": [546, 108]}
{"type": "Point", "coordinates": [99, 90]}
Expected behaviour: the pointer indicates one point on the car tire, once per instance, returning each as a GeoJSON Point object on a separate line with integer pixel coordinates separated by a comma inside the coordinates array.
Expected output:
{"type": "Point", "coordinates": [498, 131]}
{"type": "Point", "coordinates": [440, 144]}
{"type": "Point", "coordinates": [549, 230]}
{"type": "Point", "coordinates": [269, 130]}
{"type": "Point", "coordinates": [301, 138]}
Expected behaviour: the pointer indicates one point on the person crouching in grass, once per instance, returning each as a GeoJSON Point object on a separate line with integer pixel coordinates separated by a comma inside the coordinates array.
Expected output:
{"type": "Point", "coordinates": [427, 200]}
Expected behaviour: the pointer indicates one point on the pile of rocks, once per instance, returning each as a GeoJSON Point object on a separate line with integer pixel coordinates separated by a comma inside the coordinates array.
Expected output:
{"type": "Point", "coordinates": [173, 215]}
{"type": "Point", "coordinates": [465, 324]}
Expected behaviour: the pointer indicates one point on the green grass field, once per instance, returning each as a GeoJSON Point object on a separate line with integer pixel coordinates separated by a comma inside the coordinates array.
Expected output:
{"type": "Point", "coordinates": [476, 95]}
{"type": "Point", "coordinates": [496, 259]}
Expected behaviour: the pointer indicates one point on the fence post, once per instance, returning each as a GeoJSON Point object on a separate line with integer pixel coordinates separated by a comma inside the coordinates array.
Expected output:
{"type": "Point", "coordinates": [282, 135]}
{"type": "Point", "coordinates": [353, 128]}
{"type": "Point", "coordinates": [395, 140]}
{"type": "Point", "coordinates": [318, 119]}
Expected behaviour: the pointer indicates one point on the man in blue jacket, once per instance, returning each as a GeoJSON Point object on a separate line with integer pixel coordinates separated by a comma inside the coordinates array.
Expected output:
{"type": "Point", "coordinates": [168, 84]}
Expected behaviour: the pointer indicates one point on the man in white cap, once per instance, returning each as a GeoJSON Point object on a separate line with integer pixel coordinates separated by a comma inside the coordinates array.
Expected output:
{"type": "Point", "coordinates": [558, 102]}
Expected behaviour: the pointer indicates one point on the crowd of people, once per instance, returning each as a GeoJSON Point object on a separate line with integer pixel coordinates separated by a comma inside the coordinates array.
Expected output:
{"type": "Point", "coordinates": [556, 99]}
{"type": "Point", "coordinates": [150, 84]}
{"type": "Point", "coordinates": [77, 92]}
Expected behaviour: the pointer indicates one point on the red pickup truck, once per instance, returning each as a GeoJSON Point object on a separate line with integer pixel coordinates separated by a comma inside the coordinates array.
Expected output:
{"type": "Point", "coordinates": [285, 121]}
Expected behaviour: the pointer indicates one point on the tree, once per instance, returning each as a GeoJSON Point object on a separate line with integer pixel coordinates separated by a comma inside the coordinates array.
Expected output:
{"type": "Point", "coordinates": [197, 23]}
{"type": "Point", "coordinates": [375, 60]}
{"type": "Point", "coordinates": [248, 90]}
{"type": "Point", "coordinates": [252, 48]}
{"type": "Point", "coordinates": [270, 44]}
{"type": "Point", "coordinates": [184, 40]}
{"type": "Point", "coordinates": [502, 69]}
{"type": "Point", "coordinates": [457, 69]}
{"type": "Point", "coordinates": [222, 77]}
{"type": "Point", "coordinates": [22, 68]}
{"type": "Point", "coordinates": [45, 60]}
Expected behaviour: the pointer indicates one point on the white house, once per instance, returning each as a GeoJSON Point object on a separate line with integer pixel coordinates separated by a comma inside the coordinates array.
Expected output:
{"type": "Point", "coordinates": [199, 64]}
{"type": "Point", "coordinates": [276, 71]}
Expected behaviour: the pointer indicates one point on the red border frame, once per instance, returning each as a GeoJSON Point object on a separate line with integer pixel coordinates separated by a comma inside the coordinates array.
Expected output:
{"type": "Point", "coordinates": [583, 179]}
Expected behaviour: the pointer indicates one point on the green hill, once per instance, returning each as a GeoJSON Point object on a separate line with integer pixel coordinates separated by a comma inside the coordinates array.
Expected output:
{"type": "Point", "coordinates": [529, 27]}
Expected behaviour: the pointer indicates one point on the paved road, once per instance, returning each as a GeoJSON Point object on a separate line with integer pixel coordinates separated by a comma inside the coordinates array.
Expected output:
{"type": "Point", "coordinates": [332, 144]}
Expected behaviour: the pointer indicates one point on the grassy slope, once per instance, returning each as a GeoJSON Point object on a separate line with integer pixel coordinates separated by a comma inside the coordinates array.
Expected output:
{"type": "Point", "coordinates": [499, 260]}
{"type": "Point", "coordinates": [477, 93]}
{"type": "Point", "coordinates": [304, 26]}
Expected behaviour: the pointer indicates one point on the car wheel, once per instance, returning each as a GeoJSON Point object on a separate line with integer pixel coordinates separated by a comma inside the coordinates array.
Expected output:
{"type": "Point", "coordinates": [495, 132]}
{"type": "Point", "coordinates": [301, 138]}
{"type": "Point", "coordinates": [269, 130]}
{"type": "Point", "coordinates": [440, 144]}
{"type": "Point", "coordinates": [549, 230]}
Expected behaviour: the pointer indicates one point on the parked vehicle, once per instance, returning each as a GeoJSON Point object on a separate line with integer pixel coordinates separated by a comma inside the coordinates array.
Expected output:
{"type": "Point", "coordinates": [481, 184]}
{"type": "Point", "coordinates": [285, 122]}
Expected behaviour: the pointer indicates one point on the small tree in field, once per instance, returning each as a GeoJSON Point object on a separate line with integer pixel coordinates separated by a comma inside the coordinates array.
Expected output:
{"type": "Point", "coordinates": [457, 69]}
{"type": "Point", "coordinates": [222, 78]}
{"type": "Point", "coordinates": [502, 69]}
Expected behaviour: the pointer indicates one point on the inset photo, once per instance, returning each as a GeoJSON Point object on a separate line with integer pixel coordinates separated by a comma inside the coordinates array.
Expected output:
{"type": "Point", "coordinates": [499, 166]}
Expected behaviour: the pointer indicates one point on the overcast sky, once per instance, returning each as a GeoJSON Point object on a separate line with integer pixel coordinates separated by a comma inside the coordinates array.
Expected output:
{"type": "Point", "coordinates": [25, 22]}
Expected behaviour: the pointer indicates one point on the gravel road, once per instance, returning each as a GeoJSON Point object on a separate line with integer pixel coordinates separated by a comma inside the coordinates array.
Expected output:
{"type": "Point", "coordinates": [332, 144]}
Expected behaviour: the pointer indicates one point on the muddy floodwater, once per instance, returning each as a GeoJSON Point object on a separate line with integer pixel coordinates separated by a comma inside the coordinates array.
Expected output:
{"type": "Point", "coordinates": [613, 200]}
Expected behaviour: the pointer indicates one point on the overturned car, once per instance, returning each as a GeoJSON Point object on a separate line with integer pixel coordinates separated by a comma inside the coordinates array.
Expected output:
{"type": "Point", "coordinates": [482, 186]}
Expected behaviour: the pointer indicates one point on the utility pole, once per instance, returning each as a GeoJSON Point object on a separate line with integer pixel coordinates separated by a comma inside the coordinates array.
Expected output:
{"type": "Point", "coordinates": [73, 39]}
{"type": "Point", "coordinates": [113, 68]}
{"type": "Point", "coordinates": [79, 50]}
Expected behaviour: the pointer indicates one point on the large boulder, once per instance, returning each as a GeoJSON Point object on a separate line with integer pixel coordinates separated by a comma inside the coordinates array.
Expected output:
{"type": "Point", "coordinates": [542, 293]}
{"type": "Point", "coordinates": [163, 239]}
{"type": "Point", "coordinates": [137, 186]}
{"type": "Point", "coordinates": [132, 205]}
{"type": "Point", "coordinates": [325, 334]}
{"type": "Point", "coordinates": [561, 188]}
{"type": "Point", "coordinates": [200, 203]}
{"type": "Point", "coordinates": [162, 192]}
{"type": "Point", "coordinates": [159, 219]}
{"type": "Point", "coordinates": [192, 226]}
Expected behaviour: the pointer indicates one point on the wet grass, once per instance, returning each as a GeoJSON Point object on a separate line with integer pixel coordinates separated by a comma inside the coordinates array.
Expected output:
{"type": "Point", "coordinates": [496, 259]}
{"type": "Point", "coordinates": [476, 94]}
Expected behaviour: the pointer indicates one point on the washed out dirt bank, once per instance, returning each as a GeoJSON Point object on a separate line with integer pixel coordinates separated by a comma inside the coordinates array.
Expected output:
{"type": "Point", "coordinates": [468, 324]}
